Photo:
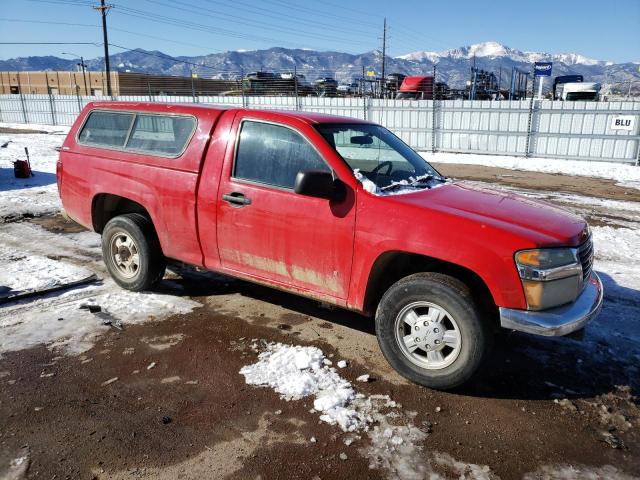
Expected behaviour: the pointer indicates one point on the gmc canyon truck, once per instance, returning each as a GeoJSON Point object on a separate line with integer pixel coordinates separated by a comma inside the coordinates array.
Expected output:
{"type": "Point", "coordinates": [336, 209]}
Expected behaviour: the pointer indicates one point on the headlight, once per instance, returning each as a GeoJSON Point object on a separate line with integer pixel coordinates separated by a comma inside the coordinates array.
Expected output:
{"type": "Point", "coordinates": [550, 277]}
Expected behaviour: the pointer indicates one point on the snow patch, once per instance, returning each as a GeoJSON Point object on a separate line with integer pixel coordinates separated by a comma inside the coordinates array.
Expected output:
{"type": "Point", "coordinates": [17, 467]}
{"type": "Point", "coordinates": [39, 194]}
{"type": "Point", "coordinates": [577, 472]}
{"type": "Point", "coordinates": [24, 272]}
{"type": "Point", "coordinates": [624, 175]}
{"type": "Point", "coordinates": [296, 372]}
{"type": "Point", "coordinates": [56, 320]}
{"type": "Point", "coordinates": [61, 324]}
{"type": "Point", "coordinates": [616, 244]}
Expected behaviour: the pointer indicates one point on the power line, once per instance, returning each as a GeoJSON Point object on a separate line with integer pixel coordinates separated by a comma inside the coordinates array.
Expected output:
{"type": "Point", "coordinates": [112, 29]}
{"type": "Point", "coordinates": [216, 30]}
{"type": "Point", "coordinates": [49, 43]}
{"type": "Point", "coordinates": [268, 13]}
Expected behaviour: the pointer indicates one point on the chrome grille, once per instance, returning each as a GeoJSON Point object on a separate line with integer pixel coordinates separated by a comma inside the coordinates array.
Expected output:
{"type": "Point", "coordinates": [585, 254]}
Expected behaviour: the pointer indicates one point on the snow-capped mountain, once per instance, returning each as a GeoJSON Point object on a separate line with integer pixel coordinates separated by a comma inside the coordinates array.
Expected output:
{"type": "Point", "coordinates": [496, 50]}
{"type": "Point", "coordinates": [453, 66]}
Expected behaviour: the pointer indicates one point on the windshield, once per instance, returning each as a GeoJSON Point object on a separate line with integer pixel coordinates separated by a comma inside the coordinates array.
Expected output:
{"type": "Point", "coordinates": [377, 155]}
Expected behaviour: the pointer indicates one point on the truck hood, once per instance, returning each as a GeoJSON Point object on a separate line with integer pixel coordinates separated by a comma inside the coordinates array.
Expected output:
{"type": "Point", "coordinates": [541, 222]}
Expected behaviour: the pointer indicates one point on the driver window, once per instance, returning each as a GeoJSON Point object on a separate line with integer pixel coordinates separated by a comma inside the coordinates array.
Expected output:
{"type": "Point", "coordinates": [273, 155]}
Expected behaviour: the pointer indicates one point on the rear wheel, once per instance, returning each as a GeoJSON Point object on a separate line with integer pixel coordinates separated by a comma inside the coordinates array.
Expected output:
{"type": "Point", "coordinates": [430, 330]}
{"type": "Point", "coordinates": [132, 253]}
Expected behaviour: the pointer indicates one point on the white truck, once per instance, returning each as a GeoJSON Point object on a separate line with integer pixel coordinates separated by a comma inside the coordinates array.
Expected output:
{"type": "Point", "coordinates": [571, 88]}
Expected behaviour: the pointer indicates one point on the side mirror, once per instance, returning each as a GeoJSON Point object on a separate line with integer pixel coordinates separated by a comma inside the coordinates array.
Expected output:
{"type": "Point", "coordinates": [317, 183]}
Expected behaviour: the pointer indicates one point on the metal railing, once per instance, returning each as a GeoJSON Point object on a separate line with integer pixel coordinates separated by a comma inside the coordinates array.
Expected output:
{"type": "Point", "coordinates": [530, 128]}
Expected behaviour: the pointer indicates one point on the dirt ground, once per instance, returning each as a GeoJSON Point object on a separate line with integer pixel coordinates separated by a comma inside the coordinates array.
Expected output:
{"type": "Point", "coordinates": [192, 415]}
{"type": "Point", "coordinates": [551, 182]}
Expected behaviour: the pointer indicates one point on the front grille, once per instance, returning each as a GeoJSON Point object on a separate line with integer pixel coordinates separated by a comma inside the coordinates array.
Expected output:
{"type": "Point", "coordinates": [585, 254]}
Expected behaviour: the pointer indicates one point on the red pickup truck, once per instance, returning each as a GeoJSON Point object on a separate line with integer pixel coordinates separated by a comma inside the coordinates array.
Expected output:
{"type": "Point", "coordinates": [332, 208]}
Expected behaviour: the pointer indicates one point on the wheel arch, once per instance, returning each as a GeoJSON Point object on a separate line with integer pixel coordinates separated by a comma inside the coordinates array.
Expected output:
{"type": "Point", "coordinates": [105, 206]}
{"type": "Point", "coordinates": [391, 266]}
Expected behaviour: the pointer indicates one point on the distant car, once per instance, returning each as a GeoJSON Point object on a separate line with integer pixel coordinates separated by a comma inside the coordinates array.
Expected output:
{"type": "Point", "coordinates": [393, 81]}
{"type": "Point", "coordinates": [326, 86]}
{"type": "Point", "coordinates": [348, 88]}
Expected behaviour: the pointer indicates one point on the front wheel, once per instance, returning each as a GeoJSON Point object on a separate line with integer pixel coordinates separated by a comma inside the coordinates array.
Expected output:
{"type": "Point", "coordinates": [430, 330]}
{"type": "Point", "coordinates": [132, 252]}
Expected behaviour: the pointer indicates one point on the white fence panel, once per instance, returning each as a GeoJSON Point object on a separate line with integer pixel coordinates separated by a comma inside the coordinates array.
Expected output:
{"type": "Point", "coordinates": [571, 130]}
{"type": "Point", "coordinates": [411, 120]}
{"type": "Point", "coordinates": [347, 107]}
{"type": "Point", "coordinates": [582, 130]}
{"type": "Point", "coordinates": [11, 109]}
{"type": "Point", "coordinates": [483, 127]}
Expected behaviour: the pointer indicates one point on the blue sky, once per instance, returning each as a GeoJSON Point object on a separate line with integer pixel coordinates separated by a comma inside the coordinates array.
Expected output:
{"type": "Point", "coordinates": [602, 30]}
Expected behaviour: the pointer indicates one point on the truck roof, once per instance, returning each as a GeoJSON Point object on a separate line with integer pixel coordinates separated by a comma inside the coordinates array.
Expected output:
{"type": "Point", "coordinates": [417, 84]}
{"type": "Point", "coordinates": [193, 109]}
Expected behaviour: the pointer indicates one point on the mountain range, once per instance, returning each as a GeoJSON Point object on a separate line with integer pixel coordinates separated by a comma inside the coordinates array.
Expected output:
{"type": "Point", "coordinates": [453, 65]}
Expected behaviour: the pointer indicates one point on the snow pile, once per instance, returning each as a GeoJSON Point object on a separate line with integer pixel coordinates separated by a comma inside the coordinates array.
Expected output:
{"type": "Point", "coordinates": [367, 184]}
{"type": "Point", "coordinates": [371, 187]}
{"type": "Point", "coordinates": [624, 175]}
{"type": "Point", "coordinates": [296, 372]}
{"type": "Point", "coordinates": [23, 272]}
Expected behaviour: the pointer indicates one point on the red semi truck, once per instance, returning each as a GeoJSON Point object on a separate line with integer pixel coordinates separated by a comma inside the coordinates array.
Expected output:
{"type": "Point", "coordinates": [332, 208]}
{"type": "Point", "coordinates": [416, 88]}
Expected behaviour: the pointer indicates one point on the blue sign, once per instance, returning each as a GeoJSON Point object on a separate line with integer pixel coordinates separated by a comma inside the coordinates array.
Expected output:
{"type": "Point", "coordinates": [543, 69]}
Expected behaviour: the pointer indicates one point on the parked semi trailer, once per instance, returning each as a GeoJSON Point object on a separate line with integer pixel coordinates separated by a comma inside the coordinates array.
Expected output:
{"type": "Point", "coordinates": [573, 87]}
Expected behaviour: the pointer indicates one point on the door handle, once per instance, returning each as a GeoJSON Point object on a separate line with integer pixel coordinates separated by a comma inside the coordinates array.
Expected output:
{"type": "Point", "coordinates": [236, 198]}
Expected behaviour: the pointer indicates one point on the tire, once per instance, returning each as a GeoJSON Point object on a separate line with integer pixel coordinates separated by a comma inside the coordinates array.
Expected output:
{"type": "Point", "coordinates": [460, 336]}
{"type": "Point", "coordinates": [132, 252]}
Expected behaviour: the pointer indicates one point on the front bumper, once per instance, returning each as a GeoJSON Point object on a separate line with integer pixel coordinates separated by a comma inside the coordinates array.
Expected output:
{"type": "Point", "coordinates": [560, 320]}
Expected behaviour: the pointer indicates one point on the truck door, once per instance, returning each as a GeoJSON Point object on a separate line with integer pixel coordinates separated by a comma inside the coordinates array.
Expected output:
{"type": "Point", "coordinates": [267, 231]}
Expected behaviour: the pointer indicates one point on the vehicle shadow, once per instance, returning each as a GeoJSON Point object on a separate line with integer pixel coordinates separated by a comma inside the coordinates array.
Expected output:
{"type": "Point", "coordinates": [520, 366]}
{"type": "Point", "coordinates": [196, 284]}
{"type": "Point", "coordinates": [531, 367]}
{"type": "Point", "coordinates": [9, 182]}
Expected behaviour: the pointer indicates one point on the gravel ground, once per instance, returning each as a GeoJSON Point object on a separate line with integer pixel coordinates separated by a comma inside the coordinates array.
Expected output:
{"type": "Point", "coordinates": [163, 398]}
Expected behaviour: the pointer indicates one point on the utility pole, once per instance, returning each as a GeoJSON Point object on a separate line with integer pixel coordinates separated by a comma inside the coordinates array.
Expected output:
{"type": "Point", "coordinates": [83, 66]}
{"type": "Point", "coordinates": [84, 77]}
{"type": "Point", "coordinates": [384, 55]}
{"type": "Point", "coordinates": [104, 9]}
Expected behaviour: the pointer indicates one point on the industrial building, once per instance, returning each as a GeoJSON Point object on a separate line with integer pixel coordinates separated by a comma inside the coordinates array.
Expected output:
{"type": "Point", "coordinates": [122, 83]}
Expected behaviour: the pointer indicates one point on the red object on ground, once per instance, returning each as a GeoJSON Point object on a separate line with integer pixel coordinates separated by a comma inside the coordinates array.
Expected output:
{"type": "Point", "coordinates": [22, 169]}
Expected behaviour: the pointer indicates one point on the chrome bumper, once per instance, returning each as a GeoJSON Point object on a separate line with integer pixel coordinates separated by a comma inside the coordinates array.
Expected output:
{"type": "Point", "coordinates": [560, 320]}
